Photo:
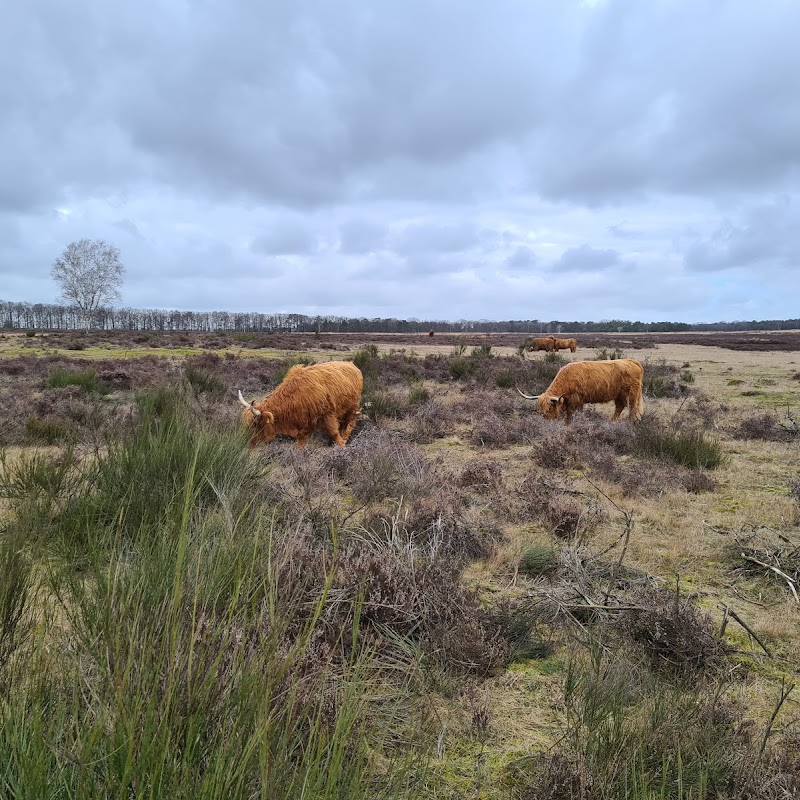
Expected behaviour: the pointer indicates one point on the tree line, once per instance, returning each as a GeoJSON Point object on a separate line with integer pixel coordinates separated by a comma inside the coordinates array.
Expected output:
{"type": "Point", "coordinates": [53, 316]}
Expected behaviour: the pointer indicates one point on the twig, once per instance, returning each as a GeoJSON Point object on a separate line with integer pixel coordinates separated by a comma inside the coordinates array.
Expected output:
{"type": "Point", "coordinates": [733, 588]}
{"type": "Point", "coordinates": [789, 580]}
{"type": "Point", "coordinates": [728, 610]}
{"type": "Point", "coordinates": [785, 692]}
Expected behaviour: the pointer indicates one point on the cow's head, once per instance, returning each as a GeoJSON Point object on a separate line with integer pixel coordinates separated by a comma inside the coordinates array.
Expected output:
{"type": "Point", "coordinates": [549, 405]}
{"type": "Point", "coordinates": [259, 422]}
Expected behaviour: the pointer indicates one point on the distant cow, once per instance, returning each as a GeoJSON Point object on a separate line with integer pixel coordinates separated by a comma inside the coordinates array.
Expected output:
{"type": "Point", "coordinates": [431, 333]}
{"type": "Point", "coordinates": [584, 382]}
{"type": "Point", "coordinates": [546, 343]}
{"type": "Point", "coordinates": [321, 396]}
{"type": "Point", "coordinates": [565, 344]}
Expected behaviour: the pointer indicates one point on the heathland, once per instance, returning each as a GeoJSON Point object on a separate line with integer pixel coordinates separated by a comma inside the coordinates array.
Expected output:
{"type": "Point", "coordinates": [467, 601]}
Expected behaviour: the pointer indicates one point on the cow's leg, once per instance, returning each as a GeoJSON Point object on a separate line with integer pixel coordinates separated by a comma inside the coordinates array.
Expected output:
{"type": "Point", "coordinates": [346, 424]}
{"type": "Point", "coordinates": [635, 404]}
{"type": "Point", "coordinates": [300, 442]}
{"type": "Point", "coordinates": [331, 425]}
{"type": "Point", "coordinates": [619, 403]}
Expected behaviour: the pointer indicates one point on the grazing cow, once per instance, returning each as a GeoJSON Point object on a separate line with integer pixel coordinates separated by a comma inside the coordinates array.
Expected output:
{"type": "Point", "coordinates": [431, 333]}
{"type": "Point", "coordinates": [565, 344]}
{"type": "Point", "coordinates": [325, 396]}
{"type": "Point", "coordinates": [584, 382]}
{"type": "Point", "coordinates": [546, 343]}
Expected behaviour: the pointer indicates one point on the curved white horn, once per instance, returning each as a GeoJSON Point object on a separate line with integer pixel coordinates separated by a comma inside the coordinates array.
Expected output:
{"type": "Point", "coordinates": [529, 396]}
{"type": "Point", "coordinates": [248, 405]}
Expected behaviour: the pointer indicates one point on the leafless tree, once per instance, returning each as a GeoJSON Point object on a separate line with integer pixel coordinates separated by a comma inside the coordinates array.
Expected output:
{"type": "Point", "coordinates": [89, 274]}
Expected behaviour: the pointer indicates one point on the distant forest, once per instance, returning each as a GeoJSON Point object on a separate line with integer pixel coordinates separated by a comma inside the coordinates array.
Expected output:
{"type": "Point", "coordinates": [46, 316]}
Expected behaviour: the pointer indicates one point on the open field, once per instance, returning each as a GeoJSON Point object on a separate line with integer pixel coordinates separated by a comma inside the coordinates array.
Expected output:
{"type": "Point", "coordinates": [467, 601]}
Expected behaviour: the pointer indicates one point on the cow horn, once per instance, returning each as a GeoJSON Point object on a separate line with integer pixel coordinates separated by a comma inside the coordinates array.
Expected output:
{"type": "Point", "coordinates": [529, 396]}
{"type": "Point", "coordinates": [248, 405]}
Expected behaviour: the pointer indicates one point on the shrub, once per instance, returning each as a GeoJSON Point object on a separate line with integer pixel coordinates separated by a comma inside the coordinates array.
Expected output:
{"type": "Point", "coordinates": [760, 426]}
{"type": "Point", "coordinates": [609, 355]}
{"type": "Point", "coordinates": [505, 378]}
{"type": "Point", "coordinates": [429, 421]}
{"type": "Point", "coordinates": [418, 394]}
{"type": "Point", "coordinates": [460, 348]}
{"type": "Point", "coordinates": [462, 368]}
{"type": "Point", "coordinates": [484, 350]}
{"type": "Point", "coordinates": [687, 377]}
{"type": "Point", "coordinates": [672, 633]}
{"type": "Point", "coordinates": [364, 357]}
{"type": "Point", "coordinates": [661, 380]}
{"type": "Point", "coordinates": [554, 358]}
{"type": "Point", "coordinates": [30, 334]}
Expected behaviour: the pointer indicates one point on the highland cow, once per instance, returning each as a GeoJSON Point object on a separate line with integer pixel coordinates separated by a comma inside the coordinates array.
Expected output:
{"type": "Point", "coordinates": [321, 396]}
{"type": "Point", "coordinates": [546, 343]}
{"type": "Point", "coordinates": [565, 344]}
{"type": "Point", "coordinates": [584, 382]}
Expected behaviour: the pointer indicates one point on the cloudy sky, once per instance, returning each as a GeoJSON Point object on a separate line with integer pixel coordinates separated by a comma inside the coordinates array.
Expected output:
{"type": "Point", "coordinates": [438, 159]}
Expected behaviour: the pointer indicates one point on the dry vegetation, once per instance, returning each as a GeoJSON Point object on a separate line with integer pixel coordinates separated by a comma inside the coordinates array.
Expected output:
{"type": "Point", "coordinates": [465, 602]}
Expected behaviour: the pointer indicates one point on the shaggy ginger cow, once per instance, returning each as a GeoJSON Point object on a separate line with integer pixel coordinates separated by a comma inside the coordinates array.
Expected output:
{"type": "Point", "coordinates": [546, 343]}
{"type": "Point", "coordinates": [321, 396]}
{"type": "Point", "coordinates": [584, 382]}
{"type": "Point", "coordinates": [565, 344]}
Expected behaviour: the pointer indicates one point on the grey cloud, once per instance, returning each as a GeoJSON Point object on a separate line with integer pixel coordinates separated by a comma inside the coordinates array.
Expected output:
{"type": "Point", "coordinates": [360, 236]}
{"type": "Point", "coordinates": [129, 227]}
{"type": "Point", "coordinates": [766, 237]}
{"type": "Point", "coordinates": [286, 238]}
{"type": "Point", "coordinates": [521, 260]}
{"type": "Point", "coordinates": [435, 238]}
{"type": "Point", "coordinates": [586, 259]}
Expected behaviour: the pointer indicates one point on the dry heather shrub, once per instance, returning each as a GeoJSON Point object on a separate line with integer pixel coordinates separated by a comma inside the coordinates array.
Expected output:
{"type": "Point", "coordinates": [483, 474]}
{"type": "Point", "coordinates": [413, 590]}
{"type": "Point", "coordinates": [474, 405]}
{"type": "Point", "coordinates": [301, 489]}
{"type": "Point", "coordinates": [561, 513]}
{"type": "Point", "coordinates": [703, 410]}
{"type": "Point", "coordinates": [672, 633]}
{"type": "Point", "coordinates": [761, 426]}
{"type": "Point", "coordinates": [429, 421]}
{"type": "Point", "coordinates": [490, 431]}
{"type": "Point", "coordinates": [556, 451]}
{"type": "Point", "coordinates": [380, 464]}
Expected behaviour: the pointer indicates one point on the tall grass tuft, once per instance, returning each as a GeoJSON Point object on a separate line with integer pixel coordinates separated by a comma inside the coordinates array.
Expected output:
{"type": "Point", "coordinates": [691, 448]}
{"type": "Point", "coordinates": [181, 652]}
{"type": "Point", "coordinates": [60, 378]}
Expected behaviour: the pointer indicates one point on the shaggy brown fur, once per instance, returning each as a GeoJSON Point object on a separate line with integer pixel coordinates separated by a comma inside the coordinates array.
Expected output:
{"type": "Point", "coordinates": [584, 382]}
{"type": "Point", "coordinates": [565, 344]}
{"type": "Point", "coordinates": [546, 343]}
{"type": "Point", "coordinates": [321, 396]}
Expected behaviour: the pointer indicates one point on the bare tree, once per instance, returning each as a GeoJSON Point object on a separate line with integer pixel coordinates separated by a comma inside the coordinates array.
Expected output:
{"type": "Point", "coordinates": [89, 274]}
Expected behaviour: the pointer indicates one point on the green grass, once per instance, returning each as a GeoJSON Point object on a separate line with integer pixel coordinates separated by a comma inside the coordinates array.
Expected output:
{"type": "Point", "coordinates": [156, 640]}
{"type": "Point", "coordinates": [691, 448]}
{"type": "Point", "coordinates": [60, 378]}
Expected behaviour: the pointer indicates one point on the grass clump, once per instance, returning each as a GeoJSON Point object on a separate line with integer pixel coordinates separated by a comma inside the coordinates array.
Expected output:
{"type": "Point", "coordinates": [691, 448]}
{"type": "Point", "coordinates": [60, 378]}
{"type": "Point", "coordinates": [47, 430]}
{"type": "Point", "coordinates": [204, 383]}
{"type": "Point", "coordinates": [538, 560]}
